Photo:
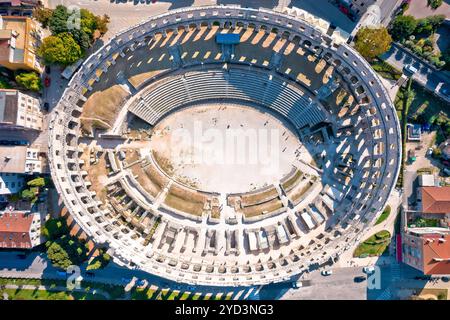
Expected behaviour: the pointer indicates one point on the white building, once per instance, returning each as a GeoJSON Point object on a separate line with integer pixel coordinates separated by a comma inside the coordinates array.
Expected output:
{"type": "Point", "coordinates": [10, 183]}
{"type": "Point", "coordinates": [20, 159]}
{"type": "Point", "coordinates": [20, 109]}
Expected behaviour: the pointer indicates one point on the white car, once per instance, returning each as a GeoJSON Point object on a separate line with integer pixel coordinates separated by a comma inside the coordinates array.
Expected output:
{"type": "Point", "coordinates": [369, 270]}
{"type": "Point", "coordinates": [326, 272]}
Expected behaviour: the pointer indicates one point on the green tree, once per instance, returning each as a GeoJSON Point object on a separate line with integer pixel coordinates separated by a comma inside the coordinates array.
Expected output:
{"type": "Point", "coordinates": [58, 23]}
{"type": "Point", "coordinates": [434, 3]}
{"type": "Point", "coordinates": [424, 27]}
{"type": "Point", "coordinates": [66, 251]}
{"type": "Point", "coordinates": [61, 49]}
{"type": "Point", "coordinates": [372, 42]}
{"type": "Point", "coordinates": [4, 83]}
{"type": "Point", "coordinates": [37, 182]}
{"type": "Point", "coordinates": [436, 21]}
{"type": "Point", "coordinates": [83, 25]}
{"type": "Point", "coordinates": [55, 228]}
{"type": "Point", "coordinates": [99, 262]}
{"type": "Point", "coordinates": [28, 194]}
{"type": "Point", "coordinates": [402, 27]}
{"type": "Point", "coordinates": [29, 80]}
{"type": "Point", "coordinates": [43, 15]}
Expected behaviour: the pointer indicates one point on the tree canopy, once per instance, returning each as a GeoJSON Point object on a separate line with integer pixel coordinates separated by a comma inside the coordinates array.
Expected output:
{"type": "Point", "coordinates": [43, 15]}
{"type": "Point", "coordinates": [69, 27]}
{"type": "Point", "coordinates": [372, 42]}
{"type": "Point", "coordinates": [61, 49]}
{"type": "Point", "coordinates": [36, 182]}
{"type": "Point", "coordinates": [403, 26]}
{"type": "Point", "coordinates": [29, 80]}
{"type": "Point", "coordinates": [80, 24]}
{"type": "Point", "coordinates": [66, 251]}
{"type": "Point", "coordinates": [55, 228]}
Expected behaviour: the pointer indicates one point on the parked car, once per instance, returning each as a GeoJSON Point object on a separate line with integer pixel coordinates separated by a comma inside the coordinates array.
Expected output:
{"type": "Point", "coordinates": [412, 70]}
{"type": "Point", "coordinates": [359, 279]}
{"type": "Point", "coordinates": [446, 172]}
{"type": "Point", "coordinates": [326, 272]}
{"type": "Point", "coordinates": [296, 284]}
{"type": "Point", "coordinates": [429, 152]}
{"type": "Point", "coordinates": [47, 82]}
{"type": "Point", "coordinates": [369, 270]}
{"type": "Point", "coordinates": [47, 69]}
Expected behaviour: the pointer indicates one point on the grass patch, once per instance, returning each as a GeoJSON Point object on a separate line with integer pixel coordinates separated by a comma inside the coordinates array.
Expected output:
{"type": "Point", "coordinates": [375, 245]}
{"type": "Point", "coordinates": [102, 107]}
{"type": "Point", "coordinates": [386, 70]}
{"type": "Point", "coordinates": [426, 107]}
{"type": "Point", "coordinates": [384, 215]}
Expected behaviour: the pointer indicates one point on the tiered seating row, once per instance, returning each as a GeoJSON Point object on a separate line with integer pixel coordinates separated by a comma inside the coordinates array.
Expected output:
{"type": "Point", "coordinates": [257, 87]}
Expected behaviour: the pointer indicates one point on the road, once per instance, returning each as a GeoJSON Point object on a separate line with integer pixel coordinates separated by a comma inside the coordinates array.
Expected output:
{"type": "Point", "coordinates": [339, 285]}
{"type": "Point", "coordinates": [387, 9]}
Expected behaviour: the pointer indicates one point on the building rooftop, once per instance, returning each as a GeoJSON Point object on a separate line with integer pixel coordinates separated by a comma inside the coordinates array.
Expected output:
{"type": "Point", "coordinates": [8, 106]}
{"type": "Point", "coordinates": [426, 180]}
{"type": "Point", "coordinates": [15, 230]}
{"type": "Point", "coordinates": [12, 159]}
{"type": "Point", "coordinates": [436, 254]}
{"type": "Point", "coordinates": [19, 41]}
{"type": "Point", "coordinates": [436, 199]}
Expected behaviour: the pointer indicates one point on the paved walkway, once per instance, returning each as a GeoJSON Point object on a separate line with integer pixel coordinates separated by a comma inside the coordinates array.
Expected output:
{"type": "Point", "coordinates": [347, 259]}
{"type": "Point", "coordinates": [420, 9]}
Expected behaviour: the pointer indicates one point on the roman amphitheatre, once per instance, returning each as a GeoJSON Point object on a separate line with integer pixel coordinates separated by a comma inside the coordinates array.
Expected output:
{"type": "Point", "coordinates": [139, 153]}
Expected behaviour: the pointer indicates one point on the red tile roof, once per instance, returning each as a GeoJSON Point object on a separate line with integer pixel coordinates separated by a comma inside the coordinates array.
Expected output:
{"type": "Point", "coordinates": [436, 254]}
{"type": "Point", "coordinates": [15, 230]}
{"type": "Point", "coordinates": [436, 199]}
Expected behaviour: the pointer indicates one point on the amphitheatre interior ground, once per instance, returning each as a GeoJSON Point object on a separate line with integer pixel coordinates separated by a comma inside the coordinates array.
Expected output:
{"type": "Point", "coordinates": [225, 148]}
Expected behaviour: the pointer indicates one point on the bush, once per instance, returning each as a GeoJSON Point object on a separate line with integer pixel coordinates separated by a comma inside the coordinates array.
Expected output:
{"type": "Point", "coordinates": [42, 15]}
{"type": "Point", "coordinates": [437, 153]}
{"type": "Point", "coordinates": [29, 80]}
{"type": "Point", "coordinates": [435, 3]}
